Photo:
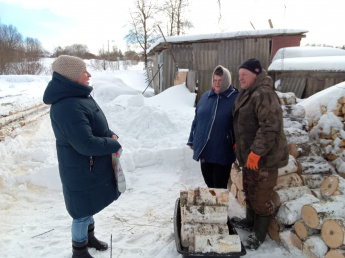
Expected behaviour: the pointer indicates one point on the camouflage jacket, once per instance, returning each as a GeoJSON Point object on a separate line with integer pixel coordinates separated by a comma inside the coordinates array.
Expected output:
{"type": "Point", "coordinates": [258, 125]}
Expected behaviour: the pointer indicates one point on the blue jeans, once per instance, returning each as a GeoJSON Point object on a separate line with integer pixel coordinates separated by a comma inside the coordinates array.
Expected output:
{"type": "Point", "coordinates": [80, 228]}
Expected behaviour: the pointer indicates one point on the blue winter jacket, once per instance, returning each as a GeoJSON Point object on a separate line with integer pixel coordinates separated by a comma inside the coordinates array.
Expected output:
{"type": "Point", "coordinates": [212, 134]}
{"type": "Point", "coordinates": [84, 146]}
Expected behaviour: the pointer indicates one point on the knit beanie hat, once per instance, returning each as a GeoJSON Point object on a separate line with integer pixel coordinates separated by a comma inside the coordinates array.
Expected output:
{"type": "Point", "coordinates": [252, 65]}
{"type": "Point", "coordinates": [69, 66]}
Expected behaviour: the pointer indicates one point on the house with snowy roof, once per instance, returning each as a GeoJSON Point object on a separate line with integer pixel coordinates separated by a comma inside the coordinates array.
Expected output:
{"type": "Point", "coordinates": [307, 70]}
{"type": "Point", "coordinates": [200, 54]}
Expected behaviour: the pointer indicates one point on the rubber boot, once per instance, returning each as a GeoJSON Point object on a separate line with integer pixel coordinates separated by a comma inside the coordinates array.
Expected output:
{"type": "Point", "coordinates": [246, 223]}
{"type": "Point", "coordinates": [80, 250]}
{"type": "Point", "coordinates": [255, 239]}
{"type": "Point", "coordinates": [93, 241]}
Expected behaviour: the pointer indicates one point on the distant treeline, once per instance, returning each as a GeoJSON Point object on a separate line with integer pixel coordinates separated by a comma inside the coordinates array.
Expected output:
{"type": "Point", "coordinates": [20, 55]}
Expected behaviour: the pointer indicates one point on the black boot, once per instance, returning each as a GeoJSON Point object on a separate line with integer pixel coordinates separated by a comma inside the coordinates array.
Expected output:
{"type": "Point", "coordinates": [80, 250]}
{"type": "Point", "coordinates": [246, 223]}
{"type": "Point", "coordinates": [255, 239]}
{"type": "Point", "coordinates": [93, 241]}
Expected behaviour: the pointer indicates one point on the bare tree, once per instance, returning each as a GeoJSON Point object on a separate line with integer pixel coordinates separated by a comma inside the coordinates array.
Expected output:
{"type": "Point", "coordinates": [142, 23]}
{"type": "Point", "coordinates": [175, 11]}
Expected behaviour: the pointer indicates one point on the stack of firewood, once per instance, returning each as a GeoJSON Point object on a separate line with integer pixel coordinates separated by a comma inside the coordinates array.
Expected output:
{"type": "Point", "coordinates": [322, 226]}
{"type": "Point", "coordinates": [332, 136]}
{"type": "Point", "coordinates": [204, 217]}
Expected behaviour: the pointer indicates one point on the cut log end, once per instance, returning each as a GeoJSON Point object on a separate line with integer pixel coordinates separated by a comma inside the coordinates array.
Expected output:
{"type": "Point", "coordinates": [310, 217]}
{"type": "Point", "coordinates": [329, 186]}
{"type": "Point", "coordinates": [273, 230]}
{"type": "Point", "coordinates": [301, 230]}
{"type": "Point", "coordinates": [335, 253]}
{"type": "Point", "coordinates": [332, 232]}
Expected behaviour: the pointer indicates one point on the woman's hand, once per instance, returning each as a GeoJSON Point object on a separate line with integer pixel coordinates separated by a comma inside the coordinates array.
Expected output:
{"type": "Point", "coordinates": [115, 137]}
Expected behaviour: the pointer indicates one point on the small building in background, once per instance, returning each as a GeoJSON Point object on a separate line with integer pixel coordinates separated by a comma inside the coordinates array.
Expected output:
{"type": "Point", "coordinates": [200, 54]}
{"type": "Point", "coordinates": [307, 70]}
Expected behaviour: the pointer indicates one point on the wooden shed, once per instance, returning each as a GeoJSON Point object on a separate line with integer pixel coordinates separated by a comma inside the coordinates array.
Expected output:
{"type": "Point", "coordinates": [307, 70]}
{"type": "Point", "coordinates": [200, 54]}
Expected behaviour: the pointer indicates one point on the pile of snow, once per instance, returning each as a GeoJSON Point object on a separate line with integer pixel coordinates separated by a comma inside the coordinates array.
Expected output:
{"type": "Point", "coordinates": [308, 59]}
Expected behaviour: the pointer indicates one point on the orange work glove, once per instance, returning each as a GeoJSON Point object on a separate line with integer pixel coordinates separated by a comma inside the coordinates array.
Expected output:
{"type": "Point", "coordinates": [253, 161]}
{"type": "Point", "coordinates": [234, 147]}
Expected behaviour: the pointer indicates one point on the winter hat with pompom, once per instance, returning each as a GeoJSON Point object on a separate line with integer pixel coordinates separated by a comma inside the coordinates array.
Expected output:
{"type": "Point", "coordinates": [69, 66]}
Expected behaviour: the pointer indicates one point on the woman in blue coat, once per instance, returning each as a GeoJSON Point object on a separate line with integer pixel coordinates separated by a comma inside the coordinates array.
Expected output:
{"type": "Point", "coordinates": [212, 138]}
{"type": "Point", "coordinates": [84, 145]}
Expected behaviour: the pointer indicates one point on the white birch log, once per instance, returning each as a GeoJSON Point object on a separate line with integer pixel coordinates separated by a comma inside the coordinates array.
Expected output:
{"type": "Point", "coordinates": [332, 185]}
{"type": "Point", "coordinates": [303, 231]}
{"type": "Point", "coordinates": [335, 253]}
{"type": "Point", "coordinates": [310, 149]}
{"type": "Point", "coordinates": [288, 194]}
{"type": "Point", "coordinates": [290, 211]}
{"type": "Point", "coordinates": [316, 213]}
{"type": "Point", "coordinates": [208, 196]}
{"type": "Point", "coordinates": [291, 167]}
{"type": "Point", "coordinates": [315, 165]}
{"type": "Point", "coordinates": [316, 192]}
{"type": "Point", "coordinates": [295, 135]}
{"type": "Point", "coordinates": [290, 240]}
{"type": "Point", "coordinates": [217, 243]}
{"type": "Point", "coordinates": [314, 247]}
{"type": "Point", "coordinates": [205, 214]}
{"type": "Point", "coordinates": [289, 180]}
{"type": "Point", "coordinates": [294, 112]}
{"type": "Point", "coordinates": [183, 198]}
{"type": "Point", "coordinates": [313, 181]}
{"type": "Point", "coordinates": [188, 231]}
{"type": "Point", "coordinates": [333, 232]}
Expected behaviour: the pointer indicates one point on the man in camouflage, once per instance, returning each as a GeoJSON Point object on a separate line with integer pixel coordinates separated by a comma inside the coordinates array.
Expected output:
{"type": "Point", "coordinates": [261, 147]}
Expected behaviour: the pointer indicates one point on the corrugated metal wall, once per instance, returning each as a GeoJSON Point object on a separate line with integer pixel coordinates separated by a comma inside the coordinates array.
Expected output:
{"type": "Point", "coordinates": [203, 57]}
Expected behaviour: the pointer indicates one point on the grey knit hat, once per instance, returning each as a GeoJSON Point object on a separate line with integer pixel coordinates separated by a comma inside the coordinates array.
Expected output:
{"type": "Point", "coordinates": [69, 66]}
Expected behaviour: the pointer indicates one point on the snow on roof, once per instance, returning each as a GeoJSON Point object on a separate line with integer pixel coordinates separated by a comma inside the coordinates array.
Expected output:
{"type": "Point", "coordinates": [293, 52]}
{"type": "Point", "coordinates": [320, 63]}
{"type": "Point", "coordinates": [230, 34]}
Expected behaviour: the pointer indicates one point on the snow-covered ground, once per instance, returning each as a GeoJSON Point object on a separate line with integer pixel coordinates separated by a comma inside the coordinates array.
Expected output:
{"type": "Point", "coordinates": [157, 164]}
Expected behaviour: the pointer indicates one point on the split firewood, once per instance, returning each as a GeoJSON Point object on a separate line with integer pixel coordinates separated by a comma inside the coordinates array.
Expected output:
{"type": "Point", "coordinates": [236, 176]}
{"type": "Point", "coordinates": [208, 196]}
{"type": "Point", "coordinates": [310, 149]}
{"type": "Point", "coordinates": [332, 185]}
{"type": "Point", "coordinates": [313, 181]}
{"type": "Point", "coordinates": [290, 240]}
{"type": "Point", "coordinates": [274, 229]}
{"type": "Point", "coordinates": [315, 214]}
{"type": "Point", "coordinates": [241, 198]}
{"type": "Point", "coordinates": [288, 194]}
{"type": "Point", "coordinates": [188, 231]}
{"type": "Point", "coordinates": [295, 135]}
{"type": "Point", "coordinates": [291, 167]}
{"type": "Point", "coordinates": [314, 247]}
{"type": "Point", "coordinates": [314, 165]}
{"type": "Point", "coordinates": [335, 253]}
{"type": "Point", "coordinates": [289, 180]}
{"type": "Point", "coordinates": [217, 243]}
{"type": "Point", "coordinates": [234, 190]}
{"type": "Point", "coordinates": [287, 98]}
{"type": "Point", "coordinates": [290, 211]}
{"type": "Point", "coordinates": [205, 214]}
{"type": "Point", "coordinates": [316, 192]}
{"type": "Point", "coordinates": [293, 150]}
{"type": "Point", "coordinates": [303, 231]}
{"type": "Point", "coordinates": [333, 232]}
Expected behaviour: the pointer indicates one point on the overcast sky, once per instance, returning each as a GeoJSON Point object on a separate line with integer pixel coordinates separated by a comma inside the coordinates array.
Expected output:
{"type": "Point", "coordinates": [94, 23]}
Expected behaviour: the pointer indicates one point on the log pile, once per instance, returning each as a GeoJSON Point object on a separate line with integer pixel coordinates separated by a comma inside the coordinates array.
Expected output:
{"type": "Point", "coordinates": [204, 217]}
{"type": "Point", "coordinates": [332, 136]}
{"type": "Point", "coordinates": [307, 181]}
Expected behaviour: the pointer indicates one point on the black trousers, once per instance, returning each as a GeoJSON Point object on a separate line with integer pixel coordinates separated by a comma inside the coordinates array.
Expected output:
{"type": "Point", "coordinates": [215, 175]}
